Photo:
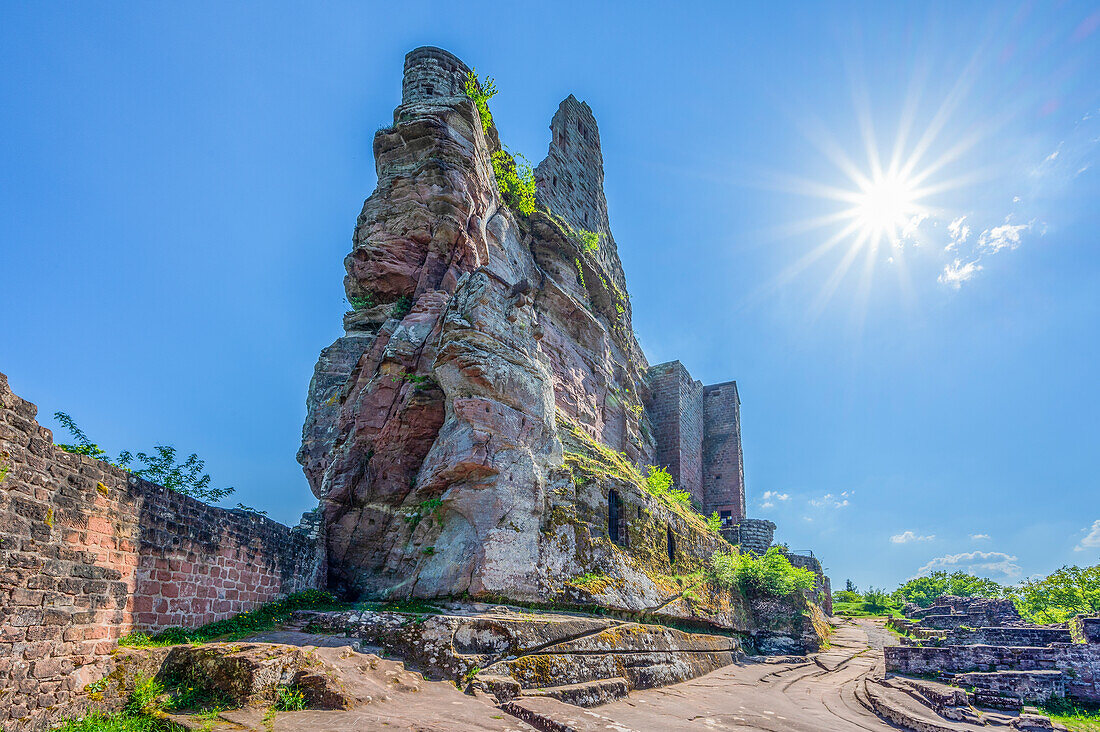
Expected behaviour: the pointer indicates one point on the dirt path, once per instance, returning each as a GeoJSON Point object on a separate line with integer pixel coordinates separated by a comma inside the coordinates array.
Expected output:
{"type": "Point", "coordinates": [793, 695]}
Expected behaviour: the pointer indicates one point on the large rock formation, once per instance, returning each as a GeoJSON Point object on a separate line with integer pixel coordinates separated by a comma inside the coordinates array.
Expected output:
{"type": "Point", "coordinates": [479, 429]}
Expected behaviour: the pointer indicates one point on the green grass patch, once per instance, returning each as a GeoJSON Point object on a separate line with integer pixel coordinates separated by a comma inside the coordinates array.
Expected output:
{"type": "Point", "coordinates": [121, 722]}
{"type": "Point", "coordinates": [1076, 718]}
{"type": "Point", "coordinates": [862, 610]}
{"type": "Point", "coordinates": [265, 617]}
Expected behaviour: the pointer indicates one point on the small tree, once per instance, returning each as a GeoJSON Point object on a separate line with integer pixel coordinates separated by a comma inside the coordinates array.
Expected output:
{"type": "Point", "coordinates": [160, 467]}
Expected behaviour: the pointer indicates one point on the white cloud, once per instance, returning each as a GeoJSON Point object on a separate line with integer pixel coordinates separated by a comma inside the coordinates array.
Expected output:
{"type": "Point", "coordinates": [1053, 155]}
{"type": "Point", "coordinates": [1006, 236]}
{"type": "Point", "coordinates": [907, 536]}
{"type": "Point", "coordinates": [776, 495]}
{"type": "Point", "coordinates": [959, 231]}
{"type": "Point", "coordinates": [979, 563]}
{"type": "Point", "coordinates": [956, 273]}
{"type": "Point", "coordinates": [1092, 539]}
{"type": "Point", "coordinates": [1015, 199]}
{"type": "Point", "coordinates": [979, 537]}
{"type": "Point", "coordinates": [831, 501]}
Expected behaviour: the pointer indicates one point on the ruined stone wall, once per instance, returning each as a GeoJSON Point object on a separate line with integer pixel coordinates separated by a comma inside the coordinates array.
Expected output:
{"type": "Point", "coordinates": [89, 553]}
{"type": "Point", "coordinates": [723, 466]}
{"type": "Point", "coordinates": [1080, 662]}
{"type": "Point", "coordinates": [823, 590]}
{"type": "Point", "coordinates": [754, 535]}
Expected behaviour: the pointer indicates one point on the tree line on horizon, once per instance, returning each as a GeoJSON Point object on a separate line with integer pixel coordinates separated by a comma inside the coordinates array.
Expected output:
{"type": "Point", "coordinates": [1066, 592]}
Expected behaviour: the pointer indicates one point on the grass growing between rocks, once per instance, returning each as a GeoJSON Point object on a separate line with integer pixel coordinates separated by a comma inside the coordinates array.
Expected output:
{"type": "Point", "coordinates": [121, 722]}
{"type": "Point", "coordinates": [1075, 718]}
{"type": "Point", "coordinates": [265, 617]}
{"type": "Point", "coordinates": [143, 713]}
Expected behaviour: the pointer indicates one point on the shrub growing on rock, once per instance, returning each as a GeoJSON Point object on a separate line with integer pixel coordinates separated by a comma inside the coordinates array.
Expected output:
{"type": "Point", "coordinates": [770, 574]}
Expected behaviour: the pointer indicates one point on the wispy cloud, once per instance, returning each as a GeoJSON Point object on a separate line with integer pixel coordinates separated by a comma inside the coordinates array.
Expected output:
{"type": "Point", "coordinates": [979, 537]}
{"type": "Point", "coordinates": [959, 231]}
{"type": "Point", "coordinates": [907, 536]}
{"type": "Point", "coordinates": [1091, 539]}
{"type": "Point", "coordinates": [830, 500]}
{"type": "Point", "coordinates": [1006, 236]}
{"type": "Point", "coordinates": [979, 563]}
{"type": "Point", "coordinates": [957, 272]}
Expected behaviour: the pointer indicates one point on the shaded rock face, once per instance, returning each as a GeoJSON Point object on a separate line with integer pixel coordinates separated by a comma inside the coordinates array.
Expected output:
{"type": "Point", "coordinates": [455, 434]}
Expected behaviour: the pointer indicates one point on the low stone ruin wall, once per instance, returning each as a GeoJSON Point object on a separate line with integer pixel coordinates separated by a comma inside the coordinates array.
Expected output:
{"type": "Point", "coordinates": [1079, 662]}
{"type": "Point", "coordinates": [89, 552]}
{"type": "Point", "coordinates": [1006, 636]}
{"type": "Point", "coordinates": [1012, 689]}
{"type": "Point", "coordinates": [980, 611]}
{"type": "Point", "coordinates": [823, 591]}
{"type": "Point", "coordinates": [1085, 629]}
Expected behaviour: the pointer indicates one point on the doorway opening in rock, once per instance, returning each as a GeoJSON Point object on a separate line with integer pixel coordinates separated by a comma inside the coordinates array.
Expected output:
{"type": "Point", "coordinates": [671, 545]}
{"type": "Point", "coordinates": [614, 515]}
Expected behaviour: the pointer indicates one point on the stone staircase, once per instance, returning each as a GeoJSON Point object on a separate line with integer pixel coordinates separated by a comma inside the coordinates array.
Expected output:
{"type": "Point", "coordinates": [580, 659]}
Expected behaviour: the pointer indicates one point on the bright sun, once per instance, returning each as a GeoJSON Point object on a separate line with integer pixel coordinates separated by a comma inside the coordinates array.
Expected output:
{"type": "Point", "coordinates": [883, 206]}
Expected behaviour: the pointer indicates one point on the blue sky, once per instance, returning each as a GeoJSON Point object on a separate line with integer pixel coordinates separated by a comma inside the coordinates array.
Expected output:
{"type": "Point", "coordinates": [180, 184]}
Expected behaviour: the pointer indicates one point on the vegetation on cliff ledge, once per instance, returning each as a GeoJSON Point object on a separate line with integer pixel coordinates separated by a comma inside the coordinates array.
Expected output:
{"type": "Point", "coordinates": [516, 181]}
{"type": "Point", "coordinates": [769, 574]}
{"type": "Point", "coordinates": [480, 92]}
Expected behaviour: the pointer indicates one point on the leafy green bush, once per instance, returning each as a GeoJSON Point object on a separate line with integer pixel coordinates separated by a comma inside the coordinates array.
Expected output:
{"type": "Point", "coordinates": [846, 596]}
{"type": "Point", "coordinates": [924, 591]}
{"type": "Point", "coordinates": [658, 483]}
{"type": "Point", "coordinates": [262, 618]}
{"type": "Point", "coordinates": [770, 574]}
{"type": "Point", "coordinates": [876, 600]}
{"type": "Point", "coordinates": [516, 181]}
{"type": "Point", "coordinates": [714, 522]}
{"type": "Point", "coordinates": [481, 92]}
{"type": "Point", "coordinates": [590, 240]}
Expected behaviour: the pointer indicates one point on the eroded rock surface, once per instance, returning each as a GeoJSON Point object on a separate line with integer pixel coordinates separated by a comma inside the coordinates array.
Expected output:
{"type": "Point", "coordinates": [480, 429]}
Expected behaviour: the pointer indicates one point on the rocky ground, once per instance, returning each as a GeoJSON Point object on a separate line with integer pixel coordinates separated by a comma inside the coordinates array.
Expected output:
{"type": "Point", "coordinates": [351, 683]}
{"type": "Point", "coordinates": [836, 689]}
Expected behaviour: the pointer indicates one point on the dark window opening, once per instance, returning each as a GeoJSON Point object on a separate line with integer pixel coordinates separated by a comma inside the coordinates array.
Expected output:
{"type": "Point", "coordinates": [671, 546]}
{"type": "Point", "coordinates": [639, 511]}
{"type": "Point", "coordinates": [429, 89]}
{"type": "Point", "coordinates": [614, 516]}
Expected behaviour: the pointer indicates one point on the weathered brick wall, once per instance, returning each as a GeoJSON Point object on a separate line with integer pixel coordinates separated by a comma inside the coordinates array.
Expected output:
{"type": "Point", "coordinates": [723, 469]}
{"type": "Point", "coordinates": [1079, 661]}
{"type": "Point", "coordinates": [675, 410]}
{"type": "Point", "coordinates": [89, 553]}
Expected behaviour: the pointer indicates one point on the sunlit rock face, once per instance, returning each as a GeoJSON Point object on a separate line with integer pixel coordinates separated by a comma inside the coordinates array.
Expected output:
{"type": "Point", "coordinates": [468, 433]}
